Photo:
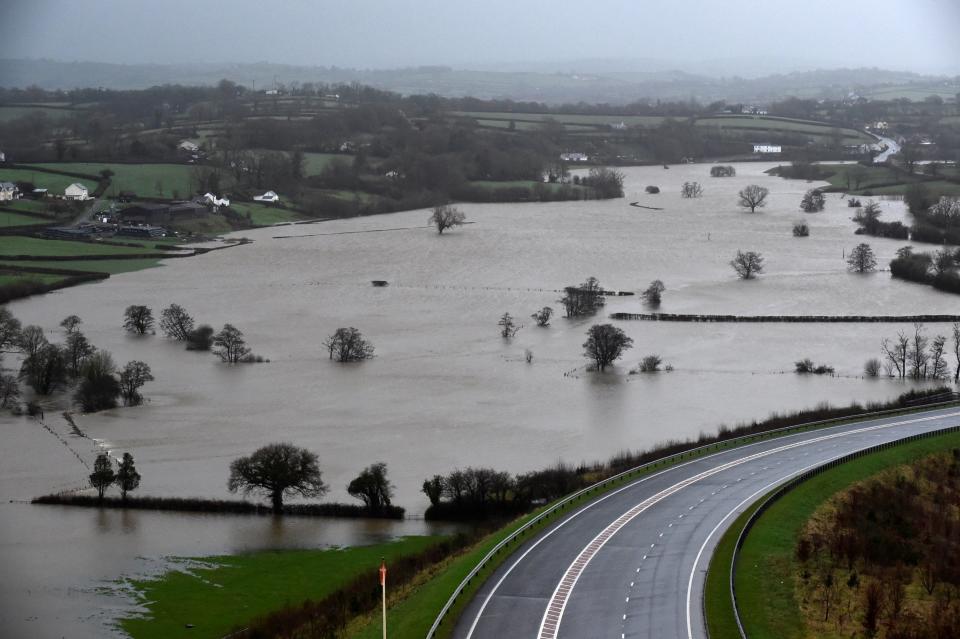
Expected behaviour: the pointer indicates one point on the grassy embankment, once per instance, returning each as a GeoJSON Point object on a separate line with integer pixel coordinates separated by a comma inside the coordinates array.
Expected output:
{"type": "Point", "coordinates": [230, 591]}
{"type": "Point", "coordinates": [767, 566]}
{"type": "Point", "coordinates": [883, 180]}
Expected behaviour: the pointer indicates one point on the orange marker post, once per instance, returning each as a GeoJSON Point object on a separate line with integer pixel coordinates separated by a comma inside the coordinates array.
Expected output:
{"type": "Point", "coordinates": [383, 592]}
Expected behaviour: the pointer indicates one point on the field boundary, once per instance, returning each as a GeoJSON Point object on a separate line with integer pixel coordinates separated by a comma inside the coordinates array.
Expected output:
{"type": "Point", "coordinates": [606, 484]}
{"type": "Point", "coordinates": [796, 481]}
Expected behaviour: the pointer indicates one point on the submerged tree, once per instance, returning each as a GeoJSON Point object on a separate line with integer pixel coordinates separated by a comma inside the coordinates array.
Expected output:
{"type": "Point", "coordinates": [543, 316]}
{"type": "Point", "coordinates": [127, 479]}
{"type": "Point", "coordinates": [98, 388]}
{"type": "Point", "coordinates": [138, 319]}
{"type": "Point", "coordinates": [747, 264]}
{"type": "Point", "coordinates": [653, 293]}
{"type": "Point", "coordinates": [584, 299]}
{"type": "Point", "coordinates": [70, 323]}
{"type": "Point", "coordinates": [133, 376]}
{"type": "Point", "coordinates": [176, 323]}
{"type": "Point", "coordinates": [446, 216]}
{"type": "Point", "coordinates": [813, 201]}
{"type": "Point", "coordinates": [605, 344]}
{"type": "Point", "coordinates": [77, 350]}
{"type": "Point", "coordinates": [753, 197]}
{"type": "Point", "coordinates": [276, 470]}
{"type": "Point", "coordinates": [200, 338]}
{"type": "Point", "coordinates": [691, 190]}
{"type": "Point", "coordinates": [348, 345]}
{"type": "Point", "coordinates": [508, 328]}
{"type": "Point", "coordinates": [229, 345]}
{"type": "Point", "coordinates": [9, 330]}
{"type": "Point", "coordinates": [46, 369]}
{"type": "Point", "coordinates": [862, 259]}
{"type": "Point", "coordinates": [373, 487]}
{"type": "Point", "coordinates": [102, 476]}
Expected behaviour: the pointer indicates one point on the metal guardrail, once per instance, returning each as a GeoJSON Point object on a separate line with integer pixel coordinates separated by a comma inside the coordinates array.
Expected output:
{"type": "Point", "coordinates": [621, 477]}
{"type": "Point", "coordinates": [793, 483]}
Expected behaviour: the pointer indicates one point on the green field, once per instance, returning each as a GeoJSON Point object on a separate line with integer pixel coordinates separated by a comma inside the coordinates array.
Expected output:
{"type": "Point", "coordinates": [766, 568]}
{"type": "Point", "coordinates": [264, 215]}
{"type": "Point", "coordinates": [141, 179]}
{"type": "Point", "coordinates": [12, 112]}
{"type": "Point", "coordinates": [760, 124]}
{"type": "Point", "coordinates": [314, 163]}
{"type": "Point", "coordinates": [33, 206]}
{"type": "Point", "coordinates": [15, 219]}
{"type": "Point", "coordinates": [936, 188]}
{"type": "Point", "coordinates": [55, 183]}
{"type": "Point", "coordinates": [11, 277]}
{"type": "Point", "coordinates": [231, 591]}
{"type": "Point", "coordinates": [563, 118]}
{"type": "Point", "coordinates": [21, 245]}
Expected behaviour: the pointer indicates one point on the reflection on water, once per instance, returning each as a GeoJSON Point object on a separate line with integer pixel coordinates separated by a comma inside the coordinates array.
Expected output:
{"type": "Point", "coordinates": [444, 390]}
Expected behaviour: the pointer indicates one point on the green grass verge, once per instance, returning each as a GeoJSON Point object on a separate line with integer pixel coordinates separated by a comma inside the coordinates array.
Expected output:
{"type": "Point", "coordinates": [234, 590]}
{"type": "Point", "coordinates": [22, 245]}
{"type": "Point", "coordinates": [718, 605]}
{"type": "Point", "coordinates": [766, 568]}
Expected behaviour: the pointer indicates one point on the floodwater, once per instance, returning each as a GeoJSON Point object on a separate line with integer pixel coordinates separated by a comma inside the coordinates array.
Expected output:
{"type": "Point", "coordinates": [444, 390]}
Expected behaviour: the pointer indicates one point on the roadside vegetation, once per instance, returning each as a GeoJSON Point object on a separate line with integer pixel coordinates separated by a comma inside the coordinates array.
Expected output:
{"type": "Point", "coordinates": [770, 574]}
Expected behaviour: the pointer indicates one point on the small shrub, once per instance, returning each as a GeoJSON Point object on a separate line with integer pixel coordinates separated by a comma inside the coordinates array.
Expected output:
{"type": "Point", "coordinates": [872, 367]}
{"type": "Point", "coordinates": [650, 364]}
{"type": "Point", "coordinates": [806, 366]}
{"type": "Point", "coordinates": [801, 230]}
{"type": "Point", "coordinates": [652, 189]}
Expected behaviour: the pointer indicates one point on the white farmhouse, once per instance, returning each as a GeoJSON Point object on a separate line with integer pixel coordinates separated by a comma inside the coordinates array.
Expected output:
{"type": "Point", "coordinates": [188, 146]}
{"type": "Point", "coordinates": [217, 202]}
{"type": "Point", "coordinates": [574, 157]}
{"type": "Point", "coordinates": [76, 191]}
{"type": "Point", "coordinates": [767, 148]}
{"type": "Point", "coordinates": [8, 191]}
{"type": "Point", "coordinates": [269, 196]}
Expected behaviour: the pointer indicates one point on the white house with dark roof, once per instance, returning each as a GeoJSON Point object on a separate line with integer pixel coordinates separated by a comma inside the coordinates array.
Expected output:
{"type": "Point", "coordinates": [76, 191]}
{"type": "Point", "coordinates": [767, 148]}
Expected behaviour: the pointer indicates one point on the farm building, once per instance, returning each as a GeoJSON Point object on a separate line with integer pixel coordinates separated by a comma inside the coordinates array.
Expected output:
{"type": "Point", "coordinates": [269, 196]}
{"type": "Point", "coordinates": [767, 148]}
{"type": "Point", "coordinates": [156, 214]}
{"type": "Point", "coordinates": [213, 200]}
{"type": "Point", "coordinates": [76, 191]}
{"type": "Point", "coordinates": [8, 191]}
{"type": "Point", "coordinates": [574, 157]}
{"type": "Point", "coordinates": [188, 146]}
{"type": "Point", "coordinates": [141, 231]}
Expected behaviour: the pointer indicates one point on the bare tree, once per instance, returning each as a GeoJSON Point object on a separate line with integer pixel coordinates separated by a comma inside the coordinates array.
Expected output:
{"type": "Point", "coordinates": [753, 197]}
{"type": "Point", "coordinates": [446, 216]}
{"type": "Point", "coordinates": [747, 264]}
{"type": "Point", "coordinates": [650, 364]}
{"type": "Point", "coordinates": [70, 323]}
{"type": "Point", "coordinates": [605, 344]}
{"type": "Point", "coordinates": [229, 345]}
{"type": "Point", "coordinates": [653, 293]}
{"type": "Point", "coordinates": [862, 259]}
{"type": "Point", "coordinates": [508, 327]}
{"type": "Point", "coordinates": [9, 330]}
{"type": "Point", "coordinates": [277, 470]}
{"type": "Point", "coordinates": [138, 319]}
{"type": "Point", "coordinates": [176, 323]}
{"type": "Point", "coordinates": [348, 345]}
{"type": "Point", "coordinates": [896, 353]}
{"type": "Point", "coordinates": [956, 350]}
{"type": "Point", "coordinates": [691, 190]}
{"type": "Point", "coordinates": [918, 353]}
{"type": "Point", "coordinates": [939, 369]}
{"type": "Point", "coordinates": [872, 367]}
{"type": "Point", "coordinates": [543, 316]}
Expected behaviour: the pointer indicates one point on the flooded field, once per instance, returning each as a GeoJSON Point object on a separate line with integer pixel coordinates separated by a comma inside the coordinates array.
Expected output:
{"type": "Point", "coordinates": [444, 389]}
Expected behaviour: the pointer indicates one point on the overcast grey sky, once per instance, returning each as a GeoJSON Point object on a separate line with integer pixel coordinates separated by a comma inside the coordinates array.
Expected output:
{"type": "Point", "coordinates": [918, 35]}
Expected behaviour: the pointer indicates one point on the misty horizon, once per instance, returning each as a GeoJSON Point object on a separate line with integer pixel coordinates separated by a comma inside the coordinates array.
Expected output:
{"type": "Point", "coordinates": [733, 39]}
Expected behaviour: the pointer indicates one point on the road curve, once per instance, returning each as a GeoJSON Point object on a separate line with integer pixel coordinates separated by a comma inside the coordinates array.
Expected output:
{"type": "Point", "coordinates": [632, 563]}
